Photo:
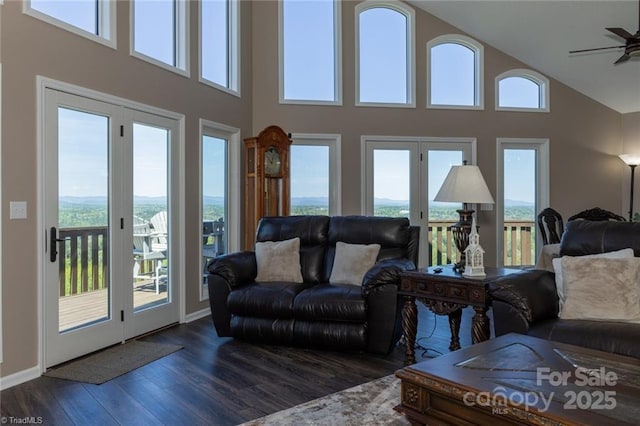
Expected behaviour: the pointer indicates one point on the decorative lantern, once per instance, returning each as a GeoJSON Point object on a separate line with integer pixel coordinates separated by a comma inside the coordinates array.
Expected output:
{"type": "Point", "coordinates": [474, 254]}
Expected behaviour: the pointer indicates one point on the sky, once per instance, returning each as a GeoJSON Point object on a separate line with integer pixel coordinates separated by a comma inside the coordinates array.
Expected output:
{"type": "Point", "coordinates": [308, 74]}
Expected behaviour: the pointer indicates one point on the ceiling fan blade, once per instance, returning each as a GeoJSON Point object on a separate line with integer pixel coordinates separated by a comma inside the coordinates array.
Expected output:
{"type": "Point", "coordinates": [621, 32]}
{"type": "Point", "coordinates": [621, 59]}
{"type": "Point", "coordinates": [599, 48]}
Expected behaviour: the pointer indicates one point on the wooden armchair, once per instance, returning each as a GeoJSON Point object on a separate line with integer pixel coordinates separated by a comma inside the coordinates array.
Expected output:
{"type": "Point", "coordinates": [550, 225]}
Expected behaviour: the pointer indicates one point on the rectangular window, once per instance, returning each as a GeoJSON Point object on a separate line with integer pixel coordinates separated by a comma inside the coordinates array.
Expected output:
{"type": "Point", "coordinates": [219, 34]}
{"type": "Point", "coordinates": [519, 206]}
{"type": "Point", "coordinates": [160, 32]}
{"type": "Point", "coordinates": [315, 174]}
{"type": "Point", "coordinates": [310, 51]}
{"type": "Point", "coordinates": [219, 195]}
{"type": "Point", "coordinates": [92, 19]}
{"type": "Point", "coordinates": [309, 180]}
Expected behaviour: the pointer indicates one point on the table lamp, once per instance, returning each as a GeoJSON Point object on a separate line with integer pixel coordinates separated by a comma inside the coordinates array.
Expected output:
{"type": "Point", "coordinates": [464, 184]}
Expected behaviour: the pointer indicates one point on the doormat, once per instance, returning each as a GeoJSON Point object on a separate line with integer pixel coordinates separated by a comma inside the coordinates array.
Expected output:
{"type": "Point", "coordinates": [366, 404]}
{"type": "Point", "coordinates": [112, 362]}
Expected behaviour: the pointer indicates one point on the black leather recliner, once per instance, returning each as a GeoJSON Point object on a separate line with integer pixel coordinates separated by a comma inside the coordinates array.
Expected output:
{"type": "Point", "coordinates": [527, 303]}
{"type": "Point", "coordinates": [316, 313]}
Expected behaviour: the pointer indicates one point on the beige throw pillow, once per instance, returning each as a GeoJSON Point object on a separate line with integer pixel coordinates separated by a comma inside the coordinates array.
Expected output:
{"type": "Point", "coordinates": [352, 261]}
{"type": "Point", "coordinates": [279, 261]}
{"type": "Point", "coordinates": [601, 289]}
{"type": "Point", "coordinates": [557, 267]}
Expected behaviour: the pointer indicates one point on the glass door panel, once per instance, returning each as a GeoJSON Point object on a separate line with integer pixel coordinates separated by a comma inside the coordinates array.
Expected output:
{"type": "Point", "coordinates": [214, 199]}
{"type": "Point", "coordinates": [150, 216]}
{"type": "Point", "coordinates": [391, 182]}
{"type": "Point", "coordinates": [519, 179]}
{"type": "Point", "coordinates": [309, 179]}
{"type": "Point", "coordinates": [83, 219]}
{"type": "Point", "coordinates": [442, 215]}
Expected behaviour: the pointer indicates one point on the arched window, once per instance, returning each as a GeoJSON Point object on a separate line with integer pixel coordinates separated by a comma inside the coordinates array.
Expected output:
{"type": "Point", "coordinates": [455, 69]}
{"type": "Point", "coordinates": [385, 59]}
{"type": "Point", "coordinates": [522, 90]}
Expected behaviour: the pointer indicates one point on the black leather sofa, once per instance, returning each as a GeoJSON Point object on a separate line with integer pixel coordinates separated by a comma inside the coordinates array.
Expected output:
{"type": "Point", "coordinates": [316, 313]}
{"type": "Point", "coordinates": [527, 303]}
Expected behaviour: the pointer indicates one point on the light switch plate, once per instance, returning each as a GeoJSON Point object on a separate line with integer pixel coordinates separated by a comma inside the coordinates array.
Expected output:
{"type": "Point", "coordinates": [17, 210]}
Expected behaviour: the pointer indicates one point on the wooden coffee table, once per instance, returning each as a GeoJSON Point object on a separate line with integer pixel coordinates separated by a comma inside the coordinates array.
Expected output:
{"type": "Point", "coordinates": [517, 379]}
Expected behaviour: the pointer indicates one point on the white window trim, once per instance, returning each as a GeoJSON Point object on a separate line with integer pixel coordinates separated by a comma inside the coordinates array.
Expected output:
{"type": "Point", "coordinates": [418, 173]}
{"type": "Point", "coordinates": [410, 14]}
{"type": "Point", "coordinates": [334, 142]}
{"type": "Point", "coordinates": [478, 49]}
{"type": "Point", "coordinates": [182, 66]}
{"type": "Point", "coordinates": [234, 66]}
{"type": "Point", "coordinates": [541, 146]}
{"type": "Point", "coordinates": [232, 228]}
{"type": "Point", "coordinates": [107, 24]}
{"type": "Point", "coordinates": [537, 78]}
{"type": "Point", "coordinates": [337, 60]}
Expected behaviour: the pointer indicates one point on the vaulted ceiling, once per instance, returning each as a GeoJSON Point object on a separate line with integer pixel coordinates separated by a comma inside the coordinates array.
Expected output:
{"type": "Point", "coordinates": [541, 33]}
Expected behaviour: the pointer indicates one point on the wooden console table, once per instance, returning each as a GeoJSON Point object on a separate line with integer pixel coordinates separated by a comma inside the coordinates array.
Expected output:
{"type": "Point", "coordinates": [446, 293]}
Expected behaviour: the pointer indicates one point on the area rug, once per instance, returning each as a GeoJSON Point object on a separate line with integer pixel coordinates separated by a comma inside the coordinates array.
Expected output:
{"type": "Point", "coordinates": [366, 404]}
{"type": "Point", "coordinates": [112, 362]}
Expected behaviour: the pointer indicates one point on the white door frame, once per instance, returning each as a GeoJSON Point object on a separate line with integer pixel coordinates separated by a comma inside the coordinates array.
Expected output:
{"type": "Point", "coordinates": [541, 146]}
{"type": "Point", "coordinates": [44, 83]}
{"type": "Point", "coordinates": [417, 146]}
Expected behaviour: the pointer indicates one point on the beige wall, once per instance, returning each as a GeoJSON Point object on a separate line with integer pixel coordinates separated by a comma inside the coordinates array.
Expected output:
{"type": "Point", "coordinates": [31, 47]}
{"type": "Point", "coordinates": [631, 145]}
{"type": "Point", "coordinates": [631, 132]}
{"type": "Point", "coordinates": [585, 136]}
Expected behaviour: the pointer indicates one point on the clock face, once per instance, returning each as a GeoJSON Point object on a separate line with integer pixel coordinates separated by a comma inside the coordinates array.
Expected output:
{"type": "Point", "coordinates": [272, 162]}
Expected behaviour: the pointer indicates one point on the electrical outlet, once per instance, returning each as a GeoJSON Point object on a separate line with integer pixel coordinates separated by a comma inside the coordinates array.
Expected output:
{"type": "Point", "coordinates": [17, 210]}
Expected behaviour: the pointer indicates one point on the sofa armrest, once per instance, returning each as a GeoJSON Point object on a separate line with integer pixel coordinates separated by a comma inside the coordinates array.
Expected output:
{"type": "Point", "coordinates": [385, 272]}
{"type": "Point", "coordinates": [531, 295]}
{"type": "Point", "coordinates": [235, 268]}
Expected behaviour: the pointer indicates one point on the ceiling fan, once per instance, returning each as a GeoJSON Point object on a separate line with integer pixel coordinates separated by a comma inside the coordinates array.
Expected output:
{"type": "Point", "coordinates": [631, 47]}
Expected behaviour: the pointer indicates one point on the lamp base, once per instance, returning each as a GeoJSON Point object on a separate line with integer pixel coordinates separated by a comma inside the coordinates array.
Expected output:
{"type": "Point", "coordinates": [460, 231]}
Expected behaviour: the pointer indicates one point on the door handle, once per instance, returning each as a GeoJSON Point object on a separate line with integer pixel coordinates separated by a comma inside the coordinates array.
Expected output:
{"type": "Point", "coordinates": [53, 243]}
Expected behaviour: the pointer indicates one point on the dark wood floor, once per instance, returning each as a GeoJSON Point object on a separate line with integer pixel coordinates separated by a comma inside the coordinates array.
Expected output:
{"type": "Point", "coordinates": [214, 381]}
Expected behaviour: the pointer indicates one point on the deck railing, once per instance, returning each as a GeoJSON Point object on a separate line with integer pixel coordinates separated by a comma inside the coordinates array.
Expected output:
{"type": "Point", "coordinates": [86, 258]}
{"type": "Point", "coordinates": [518, 239]}
{"type": "Point", "coordinates": [86, 252]}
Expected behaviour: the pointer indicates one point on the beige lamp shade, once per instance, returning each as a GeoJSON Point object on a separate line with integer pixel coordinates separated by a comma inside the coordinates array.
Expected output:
{"type": "Point", "coordinates": [464, 184]}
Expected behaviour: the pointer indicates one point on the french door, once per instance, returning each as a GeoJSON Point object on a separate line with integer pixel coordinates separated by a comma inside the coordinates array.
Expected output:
{"type": "Point", "coordinates": [108, 216]}
{"type": "Point", "coordinates": [402, 176]}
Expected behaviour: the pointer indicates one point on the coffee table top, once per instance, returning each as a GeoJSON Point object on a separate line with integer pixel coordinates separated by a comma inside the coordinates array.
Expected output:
{"type": "Point", "coordinates": [537, 378]}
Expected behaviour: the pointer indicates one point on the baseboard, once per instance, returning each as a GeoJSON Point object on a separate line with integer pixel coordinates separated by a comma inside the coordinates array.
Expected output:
{"type": "Point", "coordinates": [197, 315]}
{"type": "Point", "coordinates": [19, 377]}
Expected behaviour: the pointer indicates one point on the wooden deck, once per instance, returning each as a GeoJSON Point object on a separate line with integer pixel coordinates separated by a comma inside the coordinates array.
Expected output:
{"type": "Point", "coordinates": [92, 306]}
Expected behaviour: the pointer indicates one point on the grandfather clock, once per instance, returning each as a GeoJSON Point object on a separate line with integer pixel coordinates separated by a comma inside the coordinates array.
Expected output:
{"type": "Point", "coordinates": [267, 184]}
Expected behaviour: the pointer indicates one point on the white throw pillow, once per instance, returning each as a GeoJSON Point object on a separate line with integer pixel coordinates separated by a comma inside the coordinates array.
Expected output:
{"type": "Point", "coordinates": [557, 267]}
{"type": "Point", "coordinates": [352, 261]}
{"type": "Point", "coordinates": [601, 289]}
{"type": "Point", "coordinates": [279, 261]}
